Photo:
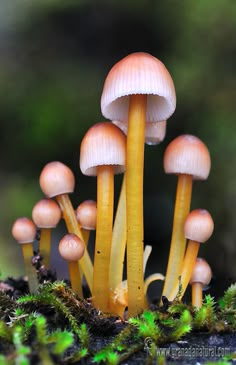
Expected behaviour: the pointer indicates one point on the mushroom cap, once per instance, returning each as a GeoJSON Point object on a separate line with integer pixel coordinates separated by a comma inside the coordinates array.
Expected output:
{"type": "Point", "coordinates": [187, 154]}
{"type": "Point", "coordinates": [198, 225]}
{"type": "Point", "coordinates": [138, 73]}
{"type": "Point", "coordinates": [24, 230]}
{"type": "Point", "coordinates": [154, 132]}
{"type": "Point", "coordinates": [201, 272]}
{"type": "Point", "coordinates": [46, 213]}
{"type": "Point", "coordinates": [103, 144]}
{"type": "Point", "coordinates": [56, 179]}
{"type": "Point", "coordinates": [86, 214]}
{"type": "Point", "coordinates": [71, 247]}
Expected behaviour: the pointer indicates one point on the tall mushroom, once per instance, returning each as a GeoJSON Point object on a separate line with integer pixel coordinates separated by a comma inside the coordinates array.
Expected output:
{"type": "Point", "coordinates": [198, 228]}
{"type": "Point", "coordinates": [46, 215]}
{"type": "Point", "coordinates": [24, 232]}
{"type": "Point", "coordinates": [188, 157]}
{"type": "Point", "coordinates": [57, 180]}
{"type": "Point", "coordinates": [138, 89]}
{"type": "Point", "coordinates": [102, 154]}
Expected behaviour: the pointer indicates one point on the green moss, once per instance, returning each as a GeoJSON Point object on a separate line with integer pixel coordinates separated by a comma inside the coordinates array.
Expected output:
{"type": "Point", "coordinates": [54, 326]}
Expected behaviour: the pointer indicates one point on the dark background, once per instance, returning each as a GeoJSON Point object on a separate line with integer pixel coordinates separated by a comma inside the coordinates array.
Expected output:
{"type": "Point", "coordinates": [54, 57]}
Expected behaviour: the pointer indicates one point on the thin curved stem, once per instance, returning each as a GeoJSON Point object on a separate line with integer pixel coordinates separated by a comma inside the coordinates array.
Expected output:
{"type": "Point", "coordinates": [178, 241]}
{"type": "Point", "coordinates": [73, 227]}
{"type": "Point", "coordinates": [134, 201]}
{"type": "Point", "coordinates": [150, 279]}
{"type": "Point", "coordinates": [105, 205]}
{"type": "Point", "coordinates": [45, 245]}
{"type": "Point", "coordinates": [187, 269]}
{"type": "Point", "coordinates": [119, 239]}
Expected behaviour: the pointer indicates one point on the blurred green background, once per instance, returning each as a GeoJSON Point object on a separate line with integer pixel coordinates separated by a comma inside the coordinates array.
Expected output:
{"type": "Point", "coordinates": [54, 57]}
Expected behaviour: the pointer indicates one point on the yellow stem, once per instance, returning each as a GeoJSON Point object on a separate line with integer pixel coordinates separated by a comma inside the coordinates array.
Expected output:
{"type": "Point", "coordinates": [45, 245]}
{"type": "Point", "coordinates": [27, 250]}
{"type": "Point", "coordinates": [105, 202]}
{"type": "Point", "coordinates": [119, 238]}
{"type": "Point", "coordinates": [75, 278]}
{"type": "Point", "coordinates": [178, 241]}
{"type": "Point", "coordinates": [86, 234]}
{"type": "Point", "coordinates": [134, 201]}
{"type": "Point", "coordinates": [187, 269]}
{"type": "Point", "coordinates": [73, 227]}
{"type": "Point", "coordinates": [197, 295]}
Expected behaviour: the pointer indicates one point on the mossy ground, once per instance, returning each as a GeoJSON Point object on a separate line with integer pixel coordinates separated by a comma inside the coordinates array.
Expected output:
{"type": "Point", "coordinates": [54, 326]}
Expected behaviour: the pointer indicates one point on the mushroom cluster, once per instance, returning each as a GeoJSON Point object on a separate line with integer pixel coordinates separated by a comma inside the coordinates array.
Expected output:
{"type": "Point", "coordinates": [137, 99]}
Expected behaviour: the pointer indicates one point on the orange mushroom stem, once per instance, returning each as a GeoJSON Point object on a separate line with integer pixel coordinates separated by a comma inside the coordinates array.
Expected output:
{"type": "Point", "coordinates": [154, 134]}
{"type": "Point", "coordinates": [201, 276]}
{"type": "Point", "coordinates": [24, 232]}
{"type": "Point", "coordinates": [198, 228]}
{"type": "Point", "coordinates": [134, 203]}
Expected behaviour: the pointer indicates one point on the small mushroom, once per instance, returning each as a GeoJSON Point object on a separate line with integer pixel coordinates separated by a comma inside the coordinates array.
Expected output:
{"type": "Point", "coordinates": [71, 249]}
{"type": "Point", "coordinates": [46, 215]}
{"type": "Point", "coordinates": [198, 228]}
{"type": "Point", "coordinates": [24, 232]}
{"type": "Point", "coordinates": [86, 214]}
{"type": "Point", "coordinates": [201, 276]}
{"type": "Point", "coordinates": [102, 154]}
{"type": "Point", "coordinates": [188, 158]}
{"type": "Point", "coordinates": [57, 180]}
{"type": "Point", "coordinates": [138, 89]}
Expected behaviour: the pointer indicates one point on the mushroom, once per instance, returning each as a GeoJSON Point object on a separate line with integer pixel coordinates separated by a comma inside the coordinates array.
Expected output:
{"type": "Point", "coordinates": [198, 228]}
{"type": "Point", "coordinates": [57, 180]}
{"type": "Point", "coordinates": [86, 214]}
{"type": "Point", "coordinates": [188, 157]}
{"type": "Point", "coordinates": [201, 276]}
{"type": "Point", "coordinates": [46, 215]}
{"type": "Point", "coordinates": [24, 232]}
{"type": "Point", "coordinates": [102, 154]}
{"type": "Point", "coordinates": [71, 249]}
{"type": "Point", "coordinates": [138, 89]}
